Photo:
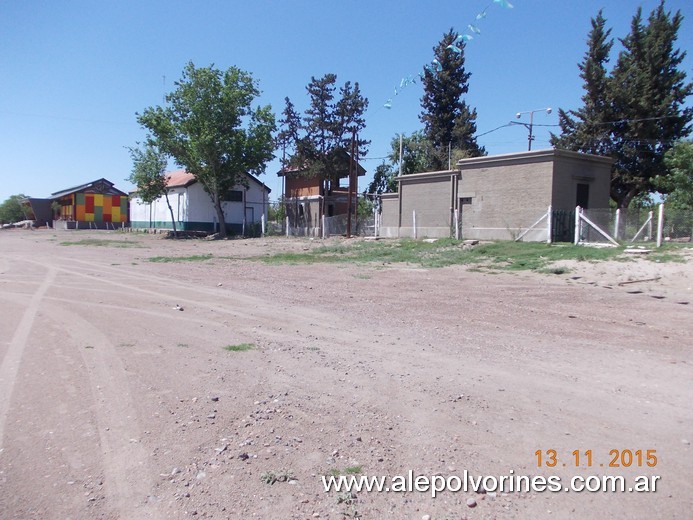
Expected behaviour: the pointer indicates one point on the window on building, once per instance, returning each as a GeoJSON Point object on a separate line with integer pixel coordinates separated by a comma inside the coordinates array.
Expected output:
{"type": "Point", "coordinates": [234, 196]}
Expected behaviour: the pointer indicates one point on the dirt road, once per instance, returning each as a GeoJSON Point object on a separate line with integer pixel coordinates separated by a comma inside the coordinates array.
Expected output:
{"type": "Point", "coordinates": [118, 399]}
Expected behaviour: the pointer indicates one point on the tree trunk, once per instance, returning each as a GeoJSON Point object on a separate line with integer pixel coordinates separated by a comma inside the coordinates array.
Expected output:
{"type": "Point", "coordinates": [173, 220]}
{"type": "Point", "coordinates": [625, 200]}
{"type": "Point", "coordinates": [220, 216]}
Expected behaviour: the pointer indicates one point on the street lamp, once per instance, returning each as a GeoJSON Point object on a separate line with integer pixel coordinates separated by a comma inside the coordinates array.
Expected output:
{"type": "Point", "coordinates": [531, 123]}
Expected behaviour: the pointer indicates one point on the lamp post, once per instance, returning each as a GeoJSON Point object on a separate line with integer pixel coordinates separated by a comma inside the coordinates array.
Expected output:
{"type": "Point", "coordinates": [531, 123]}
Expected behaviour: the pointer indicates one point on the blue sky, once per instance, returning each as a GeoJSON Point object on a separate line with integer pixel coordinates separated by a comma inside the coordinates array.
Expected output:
{"type": "Point", "coordinates": [73, 74]}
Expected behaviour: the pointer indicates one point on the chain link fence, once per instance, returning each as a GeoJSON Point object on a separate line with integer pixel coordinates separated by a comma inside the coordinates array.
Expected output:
{"type": "Point", "coordinates": [333, 226]}
{"type": "Point", "coordinates": [678, 225]}
{"type": "Point", "coordinates": [635, 226]}
{"type": "Point", "coordinates": [596, 226]}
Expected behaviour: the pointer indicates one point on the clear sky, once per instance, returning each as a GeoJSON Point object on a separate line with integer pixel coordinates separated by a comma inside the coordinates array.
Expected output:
{"type": "Point", "coordinates": [73, 74]}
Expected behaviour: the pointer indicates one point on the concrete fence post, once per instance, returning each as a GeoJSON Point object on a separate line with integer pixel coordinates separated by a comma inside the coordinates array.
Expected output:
{"type": "Point", "coordinates": [413, 219]}
{"type": "Point", "coordinates": [660, 224]}
{"type": "Point", "coordinates": [262, 225]}
{"type": "Point", "coordinates": [549, 215]}
{"type": "Point", "coordinates": [288, 231]}
{"type": "Point", "coordinates": [457, 223]}
{"type": "Point", "coordinates": [650, 233]}
{"type": "Point", "coordinates": [617, 222]}
{"type": "Point", "coordinates": [576, 240]}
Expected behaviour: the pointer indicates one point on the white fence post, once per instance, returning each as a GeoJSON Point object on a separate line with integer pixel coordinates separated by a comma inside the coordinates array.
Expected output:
{"type": "Point", "coordinates": [660, 225]}
{"type": "Point", "coordinates": [287, 226]}
{"type": "Point", "coordinates": [262, 225]}
{"type": "Point", "coordinates": [576, 240]}
{"type": "Point", "coordinates": [457, 223]}
{"type": "Point", "coordinates": [617, 222]}
{"type": "Point", "coordinates": [549, 218]}
{"type": "Point", "coordinates": [413, 218]}
{"type": "Point", "coordinates": [324, 228]}
{"type": "Point", "coordinates": [649, 227]}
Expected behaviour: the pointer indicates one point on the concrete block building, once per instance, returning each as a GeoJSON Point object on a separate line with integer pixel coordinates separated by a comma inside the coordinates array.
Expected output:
{"type": "Point", "coordinates": [497, 197]}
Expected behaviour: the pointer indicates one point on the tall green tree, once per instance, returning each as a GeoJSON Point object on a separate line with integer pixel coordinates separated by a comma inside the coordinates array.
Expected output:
{"type": "Point", "coordinates": [409, 154]}
{"type": "Point", "coordinates": [449, 123]}
{"type": "Point", "coordinates": [677, 183]}
{"type": "Point", "coordinates": [209, 127]}
{"type": "Point", "coordinates": [635, 113]}
{"type": "Point", "coordinates": [588, 129]}
{"type": "Point", "coordinates": [649, 92]}
{"type": "Point", "coordinates": [317, 142]}
{"type": "Point", "coordinates": [149, 175]}
{"type": "Point", "coordinates": [417, 153]}
{"type": "Point", "coordinates": [11, 209]}
{"type": "Point", "coordinates": [383, 180]}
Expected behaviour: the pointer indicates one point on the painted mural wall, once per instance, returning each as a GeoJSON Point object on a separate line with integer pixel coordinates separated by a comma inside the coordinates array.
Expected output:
{"type": "Point", "coordinates": [94, 207]}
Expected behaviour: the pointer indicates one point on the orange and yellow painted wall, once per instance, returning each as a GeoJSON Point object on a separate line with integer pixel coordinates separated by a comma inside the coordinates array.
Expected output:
{"type": "Point", "coordinates": [94, 207]}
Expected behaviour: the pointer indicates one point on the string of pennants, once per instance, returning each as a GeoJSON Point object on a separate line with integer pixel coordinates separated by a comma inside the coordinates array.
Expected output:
{"type": "Point", "coordinates": [435, 66]}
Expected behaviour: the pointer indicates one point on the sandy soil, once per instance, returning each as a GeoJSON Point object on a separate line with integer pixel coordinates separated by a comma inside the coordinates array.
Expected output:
{"type": "Point", "coordinates": [118, 400]}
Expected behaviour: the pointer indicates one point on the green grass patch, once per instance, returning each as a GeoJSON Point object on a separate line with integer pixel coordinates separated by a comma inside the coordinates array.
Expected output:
{"type": "Point", "coordinates": [669, 252]}
{"type": "Point", "coordinates": [191, 258]}
{"type": "Point", "coordinates": [349, 470]}
{"type": "Point", "coordinates": [506, 255]}
{"type": "Point", "coordinates": [242, 347]}
{"type": "Point", "coordinates": [101, 242]}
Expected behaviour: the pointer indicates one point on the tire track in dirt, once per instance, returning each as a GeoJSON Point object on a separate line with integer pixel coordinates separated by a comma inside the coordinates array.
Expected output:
{"type": "Point", "coordinates": [295, 323]}
{"type": "Point", "coordinates": [13, 358]}
{"type": "Point", "coordinates": [238, 305]}
{"type": "Point", "coordinates": [128, 478]}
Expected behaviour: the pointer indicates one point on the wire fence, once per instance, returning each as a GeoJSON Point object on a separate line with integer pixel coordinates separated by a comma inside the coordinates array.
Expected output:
{"type": "Point", "coordinates": [677, 225]}
{"type": "Point", "coordinates": [635, 226]}
{"type": "Point", "coordinates": [327, 227]}
{"type": "Point", "coordinates": [594, 226]}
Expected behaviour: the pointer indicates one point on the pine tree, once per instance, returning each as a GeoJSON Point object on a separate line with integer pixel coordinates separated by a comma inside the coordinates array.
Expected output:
{"type": "Point", "coordinates": [318, 140]}
{"type": "Point", "coordinates": [449, 123]}
{"type": "Point", "coordinates": [588, 129]}
{"type": "Point", "coordinates": [290, 126]}
{"type": "Point", "coordinates": [649, 91]}
{"type": "Point", "coordinates": [635, 113]}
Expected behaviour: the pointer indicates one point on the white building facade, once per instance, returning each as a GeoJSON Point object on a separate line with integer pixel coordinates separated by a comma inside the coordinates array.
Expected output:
{"type": "Point", "coordinates": [243, 206]}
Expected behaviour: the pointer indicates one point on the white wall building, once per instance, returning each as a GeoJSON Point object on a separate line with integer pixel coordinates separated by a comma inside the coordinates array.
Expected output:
{"type": "Point", "coordinates": [193, 209]}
